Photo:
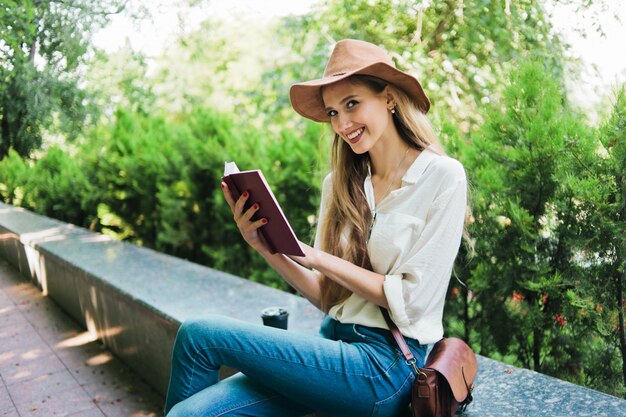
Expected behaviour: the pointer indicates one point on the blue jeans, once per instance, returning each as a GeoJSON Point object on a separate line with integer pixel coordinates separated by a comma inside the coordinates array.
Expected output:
{"type": "Point", "coordinates": [352, 370]}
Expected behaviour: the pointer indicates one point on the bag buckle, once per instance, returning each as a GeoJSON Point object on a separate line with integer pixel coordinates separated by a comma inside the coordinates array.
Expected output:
{"type": "Point", "coordinates": [421, 376]}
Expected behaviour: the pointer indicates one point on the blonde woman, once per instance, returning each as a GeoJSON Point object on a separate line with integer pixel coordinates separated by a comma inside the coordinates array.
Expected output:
{"type": "Point", "coordinates": [390, 225]}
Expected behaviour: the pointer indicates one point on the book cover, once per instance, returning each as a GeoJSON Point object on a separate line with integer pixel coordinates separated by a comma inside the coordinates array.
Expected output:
{"type": "Point", "coordinates": [277, 233]}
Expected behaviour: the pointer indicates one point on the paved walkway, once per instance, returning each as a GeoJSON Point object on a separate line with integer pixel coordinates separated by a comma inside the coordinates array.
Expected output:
{"type": "Point", "coordinates": [50, 366]}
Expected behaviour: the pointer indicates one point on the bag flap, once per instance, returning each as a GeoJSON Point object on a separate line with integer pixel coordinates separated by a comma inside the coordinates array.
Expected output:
{"type": "Point", "coordinates": [456, 361]}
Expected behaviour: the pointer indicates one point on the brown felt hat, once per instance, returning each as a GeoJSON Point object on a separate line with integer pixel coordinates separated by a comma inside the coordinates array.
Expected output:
{"type": "Point", "coordinates": [351, 57]}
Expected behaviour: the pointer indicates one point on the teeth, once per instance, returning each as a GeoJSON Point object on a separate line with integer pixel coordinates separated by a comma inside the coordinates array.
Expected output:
{"type": "Point", "coordinates": [355, 134]}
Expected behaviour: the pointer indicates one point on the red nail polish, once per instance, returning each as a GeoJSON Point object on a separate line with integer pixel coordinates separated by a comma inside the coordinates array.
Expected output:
{"type": "Point", "coordinates": [245, 194]}
{"type": "Point", "coordinates": [255, 206]}
{"type": "Point", "coordinates": [264, 221]}
{"type": "Point", "coordinates": [223, 186]}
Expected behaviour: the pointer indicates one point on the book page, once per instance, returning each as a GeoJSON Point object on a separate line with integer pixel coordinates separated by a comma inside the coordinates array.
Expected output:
{"type": "Point", "coordinates": [230, 168]}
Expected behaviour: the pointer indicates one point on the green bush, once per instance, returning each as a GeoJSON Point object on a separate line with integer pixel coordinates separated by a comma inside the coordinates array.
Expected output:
{"type": "Point", "coordinates": [13, 176]}
{"type": "Point", "coordinates": [538, 285]}
{"type": "Point", "coordinates": [58, 187]}
{"type": "Point", "coordinates": [159, 184]}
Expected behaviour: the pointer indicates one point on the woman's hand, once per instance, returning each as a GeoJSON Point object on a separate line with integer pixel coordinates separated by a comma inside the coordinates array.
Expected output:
{"type": "Point", "coordinates": [249, 229]}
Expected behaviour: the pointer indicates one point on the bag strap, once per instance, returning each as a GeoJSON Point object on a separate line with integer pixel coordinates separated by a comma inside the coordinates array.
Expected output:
{"type": "Point", "coordinates": [410, 360]}
{"type": "Point", "coordinates": [399, 338]}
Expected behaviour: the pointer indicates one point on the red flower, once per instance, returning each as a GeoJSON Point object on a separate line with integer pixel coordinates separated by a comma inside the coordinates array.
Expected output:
{"type": "Point", "coordinates": [560, 320]}
{"type": "Point", "coordinates": [455, 291]}
{"type": "Point", "coordinates": [517, 296]}
{"type": "Point", "coordinates": [545, 298]}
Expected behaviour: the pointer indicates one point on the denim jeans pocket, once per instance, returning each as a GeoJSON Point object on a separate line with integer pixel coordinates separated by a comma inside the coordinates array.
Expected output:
{"type": "Point", "coordinates": [361, 331]}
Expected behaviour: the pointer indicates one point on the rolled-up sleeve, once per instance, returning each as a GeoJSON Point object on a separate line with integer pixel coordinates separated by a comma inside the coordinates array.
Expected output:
{"type": "Point", "coordinates": [416, 289]}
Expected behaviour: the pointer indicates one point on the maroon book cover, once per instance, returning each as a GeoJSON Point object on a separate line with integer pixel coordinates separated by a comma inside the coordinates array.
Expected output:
{"type": "Point", "coordinates": [277, 233]}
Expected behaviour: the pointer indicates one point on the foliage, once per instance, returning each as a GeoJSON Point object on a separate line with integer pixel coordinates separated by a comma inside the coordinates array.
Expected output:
{"type": "Point", "coordinates": [120, 80]}
{"type": "Point", "coordinates": [459, 49]}
{"type": "Point", "coordinates": [58, 187]}
{"type": "Point", "coordinates": [537, 296]}
{"type": "Point", "coordinates": [156, 183]}
{"type": "Point", "coordinates": [13, 174]}
{"type": "Point", "coordinates": [594, 198]}
{"type": "Point", "coordinates": [42, 45]}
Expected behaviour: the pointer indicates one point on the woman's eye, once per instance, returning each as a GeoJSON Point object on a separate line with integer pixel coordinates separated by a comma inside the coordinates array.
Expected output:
{"type": "Point", "coordinates": [351, 103]}
{"type": "Point", "coordinates": [331, 113]}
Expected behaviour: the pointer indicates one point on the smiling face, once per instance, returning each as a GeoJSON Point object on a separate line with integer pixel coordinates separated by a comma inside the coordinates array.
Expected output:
{"type": "Point", "coordinates": [358, 114]}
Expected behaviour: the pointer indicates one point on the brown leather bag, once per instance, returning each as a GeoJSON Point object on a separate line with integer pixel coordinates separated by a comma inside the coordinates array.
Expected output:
{"type": "Point", "coordinates": [446, 381]}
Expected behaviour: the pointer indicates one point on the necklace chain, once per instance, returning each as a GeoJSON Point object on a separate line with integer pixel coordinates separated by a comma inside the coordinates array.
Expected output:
{"type": "Point", "coordinates": [392, 180]}
{"type": "Point", "coordinates": [374, 211]}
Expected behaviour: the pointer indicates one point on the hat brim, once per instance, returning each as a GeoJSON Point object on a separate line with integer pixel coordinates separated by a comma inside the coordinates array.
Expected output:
{"type": "Point", "coordinates": [306, 97]}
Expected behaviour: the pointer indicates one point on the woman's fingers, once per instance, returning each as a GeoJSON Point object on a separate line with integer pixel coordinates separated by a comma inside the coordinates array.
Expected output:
{"type": "Point", "coordinates": [228, 196]}
{"type": "Point", "coordinates": [246, 217]}
{"type": "Point", "coordinates": [239, 205]}
{"type": "Point", "coordinates": [243, 219]}
{"type": "Point", "coordinates": [250, 212]}
{"type": "Point", "coordinates": [252, 226]}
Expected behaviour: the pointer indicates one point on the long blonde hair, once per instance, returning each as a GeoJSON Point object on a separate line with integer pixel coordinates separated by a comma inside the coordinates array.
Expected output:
{"type": "Point", "coordinates": [348, 211]}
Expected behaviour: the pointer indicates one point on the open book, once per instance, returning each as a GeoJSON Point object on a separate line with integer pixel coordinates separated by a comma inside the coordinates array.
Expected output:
{"type": "Point", "coordinates": [277, 233]}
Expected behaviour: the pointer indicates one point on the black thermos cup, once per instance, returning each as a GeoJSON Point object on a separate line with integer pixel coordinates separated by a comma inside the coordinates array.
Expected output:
{"type": "Point", "coordinates": [275, 317]}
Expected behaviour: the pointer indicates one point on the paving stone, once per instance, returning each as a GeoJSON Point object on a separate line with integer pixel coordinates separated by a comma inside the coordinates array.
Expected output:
{"type": "Point", "coordinates": [6, 404]}
{"type": "Point", "coordinates": [49, 366]}
{"type": "Point", "coordinates": [111, 371]}
{"type": "Point", "coordinates": [44, 311]}
{"type": "Point", "coordinates": [37, 389]}
{"type": "Point", "coordinates": [12, 331]}
{"type": "Point", "coordinates": [58, 332]}
{"type": "Point", "coordinates": [12, 317]}
{"type": "Point", "coordinates": [31, 367]}
{"type": "Point", "coordinates": [13, 358]}
{"type": "Point", "coordinates": [78, 349]}
{"type": "Point", "coordinates": [5, 302]}
{"type": "Point", "coordinates": [22, 293]}
{"type": "Point", "coordinates": [115, 390]}
{"type": "Point", "coordinates": [129, 407]}
{"type": "Point", "coordinates": [23, 338]}
{"type": "Point", "coordinates": [57, 404]}
{"type": "Point", "coordinates": [92, 412]}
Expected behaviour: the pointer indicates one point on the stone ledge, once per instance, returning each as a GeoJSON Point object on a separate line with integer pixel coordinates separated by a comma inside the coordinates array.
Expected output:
{"type": "Point", "coordinates": [135, 299]}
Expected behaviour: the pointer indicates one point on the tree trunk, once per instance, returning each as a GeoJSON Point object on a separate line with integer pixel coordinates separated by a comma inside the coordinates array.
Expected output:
{"type": "Point", "coordinates": [5, 130]}
{"type": "Point", "coordinates": [537, 335]}
{"type": "Point", "coordinates": [32, 51]}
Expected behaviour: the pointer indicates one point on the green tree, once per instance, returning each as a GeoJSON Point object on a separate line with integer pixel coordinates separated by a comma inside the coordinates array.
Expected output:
{"type": "Point", "coordinates": [461, 50]}
{"type": "Point", "coordinates": [42, 45]}
{"type": "Point", "coordinates": [594, 207]}
{"type": "Point", "coordinates": [539, 290]}
{"type": "Point", "coordinates": [120, 80]}
{"type": "Point", "coordinates": [514, 162]}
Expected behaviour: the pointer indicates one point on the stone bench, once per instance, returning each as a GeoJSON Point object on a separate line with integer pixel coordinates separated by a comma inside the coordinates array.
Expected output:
{"type": "Point", "coordinates": [134, 299]}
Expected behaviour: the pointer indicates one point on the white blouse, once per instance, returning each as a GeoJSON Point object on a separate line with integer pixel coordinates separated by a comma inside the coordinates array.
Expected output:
{"type": "Point", "coordinates": [414, 242]}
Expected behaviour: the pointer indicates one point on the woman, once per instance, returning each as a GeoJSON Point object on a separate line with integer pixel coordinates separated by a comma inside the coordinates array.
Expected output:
{"type": "Point", "coordinates": [390, 224]}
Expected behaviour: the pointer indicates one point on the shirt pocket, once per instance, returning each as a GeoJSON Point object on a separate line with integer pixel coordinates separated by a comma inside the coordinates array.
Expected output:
{"type": "Point", "coordinates": [393, 235]}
